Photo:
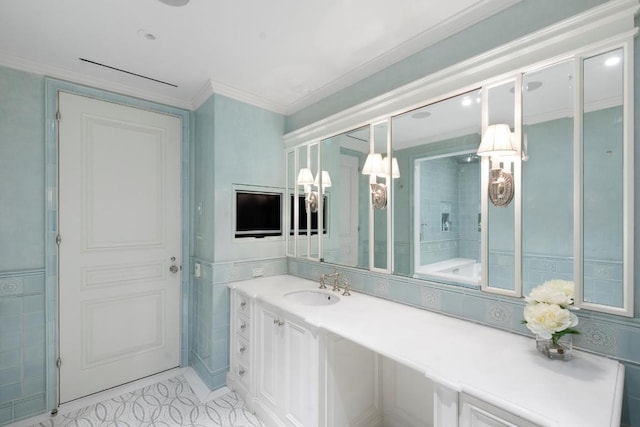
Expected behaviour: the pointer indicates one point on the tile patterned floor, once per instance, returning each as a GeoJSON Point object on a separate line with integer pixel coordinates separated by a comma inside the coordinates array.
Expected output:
{"type": "Point", "coordinates": [165, 404]}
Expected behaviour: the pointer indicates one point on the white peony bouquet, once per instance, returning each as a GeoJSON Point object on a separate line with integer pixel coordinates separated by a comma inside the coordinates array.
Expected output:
{"type": "Point", "coordinates": [547, 311]}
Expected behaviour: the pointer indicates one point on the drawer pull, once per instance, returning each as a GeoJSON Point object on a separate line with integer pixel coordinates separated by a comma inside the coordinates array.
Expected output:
{"type": "Point", "coordinates": [243, 326]}
{"type": "Point", "coordinates": [242, 349]}
{"type": "Point", "coordinates": [241, 372]}
{"type": "Point", "coordinates": [278, 322]}
{"type": "Point", "coordinates": [243, 304]}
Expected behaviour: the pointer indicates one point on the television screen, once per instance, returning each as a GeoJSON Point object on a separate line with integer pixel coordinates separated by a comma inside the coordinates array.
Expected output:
{"type": "Point", "coordinates": [258, 214]}
{"type": "Point", "coordinates": [302, 226]}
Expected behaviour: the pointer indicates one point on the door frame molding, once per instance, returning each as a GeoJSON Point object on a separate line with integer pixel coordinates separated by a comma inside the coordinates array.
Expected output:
{"type": "Point", "coordinates": [52, 89]}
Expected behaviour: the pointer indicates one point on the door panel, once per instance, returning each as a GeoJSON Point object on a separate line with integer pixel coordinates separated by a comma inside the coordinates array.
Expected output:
{"type": "Point", "coordinates": [120, 228]}
{"type": "Point", "coordinates": [349, 203]}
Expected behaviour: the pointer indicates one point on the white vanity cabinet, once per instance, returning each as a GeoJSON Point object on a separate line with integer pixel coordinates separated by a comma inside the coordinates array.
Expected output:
{"type": "Point", "coordinates": [273, 362]}
{"type": "Point", "coordinates": [287, 374]}
{"type": "Point", "coordinates": [367, 362]}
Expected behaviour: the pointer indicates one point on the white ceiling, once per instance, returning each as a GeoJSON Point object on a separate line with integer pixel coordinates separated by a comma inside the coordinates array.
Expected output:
{"type": "Point", "coordinates": [282, 55]}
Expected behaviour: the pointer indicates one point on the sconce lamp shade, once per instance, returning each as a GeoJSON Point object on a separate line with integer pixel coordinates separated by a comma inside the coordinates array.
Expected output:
{"type": "Point", "coordinates": [373, 165]}
{"type": "Point", "coordinates": [305, 177]}
{"type": "Point", "coordinates": [497, 141]}
{"type": "Point", "coordinates": [395, 170]}
{"type": "Point", "coordinates": [326, 180]}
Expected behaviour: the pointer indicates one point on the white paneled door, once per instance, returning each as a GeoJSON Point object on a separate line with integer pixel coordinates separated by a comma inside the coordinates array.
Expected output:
{"type": "Point", "coordinates": [349, 194]}
{"type": "Point", "coordinates": [120, 230]}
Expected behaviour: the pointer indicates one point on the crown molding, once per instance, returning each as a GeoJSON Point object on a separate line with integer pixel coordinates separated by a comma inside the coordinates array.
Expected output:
{"type": "Point", "coordinates": [22, 64]}
{"type": "Point", "coordinates": [609, 23]}
{"type": "Point", "coordinates": [211, 86]}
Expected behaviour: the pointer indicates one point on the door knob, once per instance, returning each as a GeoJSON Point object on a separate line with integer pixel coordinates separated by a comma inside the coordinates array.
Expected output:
{"type": "Point", "coordinates": [173, 269]}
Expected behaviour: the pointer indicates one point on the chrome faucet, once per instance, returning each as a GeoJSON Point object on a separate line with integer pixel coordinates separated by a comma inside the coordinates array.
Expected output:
{"type": "Point", "coordinates": [323, 278]}
{"type": "Point", "coordinates": [323, 285]}
{"type": "Point", "coordinates": [336, 283]}
{"type": "Point", "coordinates": [345, 286]}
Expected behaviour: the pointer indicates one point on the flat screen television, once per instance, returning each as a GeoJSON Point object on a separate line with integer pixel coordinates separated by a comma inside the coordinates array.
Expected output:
{"type": "Point", "coordinates": [258, 214]}
{"type": "Point", "coordinates": [302, 226]}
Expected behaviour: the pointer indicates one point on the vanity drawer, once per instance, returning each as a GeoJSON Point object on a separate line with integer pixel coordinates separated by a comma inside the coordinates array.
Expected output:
{"type": "Point", "coordinates": [242, 350]}
{"type": "Point", "coordinates": [241, 328]}
{"type": "Point", "coordinates": [243, 306]}
{"type": "Point", "coordinates": [242, 373]}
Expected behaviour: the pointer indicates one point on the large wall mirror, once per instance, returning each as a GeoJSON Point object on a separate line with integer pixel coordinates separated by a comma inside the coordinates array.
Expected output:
{"type": "Point", "coordinates": [417, 195]}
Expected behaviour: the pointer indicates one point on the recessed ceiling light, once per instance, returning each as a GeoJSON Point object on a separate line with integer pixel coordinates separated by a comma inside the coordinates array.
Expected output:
{"type": "Point", "coordinates": [145, 34]}
{"type": "Point", "coordinates": [421, 115]}
{"type": "Point", "coordinates": [175, 2]}
{"type": "Point", "coordinates": [612, 62]}
{"type": "Point", "coordinates": [531, 86]}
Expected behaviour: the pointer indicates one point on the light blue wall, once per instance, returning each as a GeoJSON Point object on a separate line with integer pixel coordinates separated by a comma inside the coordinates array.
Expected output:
{"type": "Point", "coordinates": [234, 143]}
{"type": "Point", "coordinates": [22, 242]}
{"type": "Point", "coordinates": [21, 170]}
{"type": "Point", "coordinates": [203, 175]}
{"type": "Point", "coordinates": [248, 150]}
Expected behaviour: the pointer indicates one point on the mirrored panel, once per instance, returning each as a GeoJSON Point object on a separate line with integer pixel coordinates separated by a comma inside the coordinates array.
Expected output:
{"type": "Point", "coordinates": [379, 180]}
{"type": "Point", "coordinates": [437, 197]}
{"type": "Point", "coordinates": [501, 230]}
{"type": "Point", "coordinates": [602, 179]}
{"type": "Point", "coordinates": [547, 175]}
{"type": "Point", "coordinates": [304, 180]}
{"type": "Point", "coordinates": [313, 203]}
{"type": "Point", "coordinates": [346, 199]}
{"type": "Point", "coordinates": [289, 211]}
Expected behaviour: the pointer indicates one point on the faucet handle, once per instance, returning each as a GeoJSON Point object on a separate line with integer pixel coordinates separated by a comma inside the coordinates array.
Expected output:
{"type": "Point", "coordinates": [346, 285]}
{"type": "Point", "coordinates": [336, 284]}
{"type": "Point", "coordinates": [323, 285]}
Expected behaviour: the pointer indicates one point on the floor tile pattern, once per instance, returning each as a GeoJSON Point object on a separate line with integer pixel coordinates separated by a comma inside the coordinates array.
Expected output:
{"type": "Point", "coordinates": [165, 404]}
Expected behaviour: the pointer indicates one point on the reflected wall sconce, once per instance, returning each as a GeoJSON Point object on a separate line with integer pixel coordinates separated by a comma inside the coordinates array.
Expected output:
{"type": "Point", "coordinates": [305, 178]}
{"type": "Point", "coordinates": [376, 166]}
{"type": "Point", "coordinates": [498, 143]}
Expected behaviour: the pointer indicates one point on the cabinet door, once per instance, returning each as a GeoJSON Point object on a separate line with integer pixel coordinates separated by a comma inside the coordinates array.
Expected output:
{"type": "Point", "coordinates": [477, 413]}
{"type": "Point", "coordinates": [268, 360]}
{"type": "Point", "coordinates": [296, 373]}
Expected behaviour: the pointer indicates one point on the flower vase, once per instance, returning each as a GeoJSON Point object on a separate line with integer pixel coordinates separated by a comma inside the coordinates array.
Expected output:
{"type": "Point", "coordinates": [562, 349]}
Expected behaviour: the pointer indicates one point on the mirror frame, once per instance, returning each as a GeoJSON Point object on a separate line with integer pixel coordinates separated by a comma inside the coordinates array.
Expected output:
{"type": "Point", "coordinates": [628, 160]}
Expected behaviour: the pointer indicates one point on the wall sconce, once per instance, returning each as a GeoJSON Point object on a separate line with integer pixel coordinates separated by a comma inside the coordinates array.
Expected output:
{"type": "Point", "coordinates": [376, 166]}
{"type": "Point", "coordinates": [497, 142]}
{"type": "Point", "coordinates": [305, 178]}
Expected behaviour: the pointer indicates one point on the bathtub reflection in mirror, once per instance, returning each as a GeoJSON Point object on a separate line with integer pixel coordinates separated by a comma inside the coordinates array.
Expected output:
{"type": "Point", "coordinates": [447, 212]}
{"type": "Point", "coordinates": [437, 198]}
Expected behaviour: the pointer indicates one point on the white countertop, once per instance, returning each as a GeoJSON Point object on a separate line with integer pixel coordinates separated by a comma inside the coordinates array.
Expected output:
{"type": "Point", "coordinates": [499, 367]}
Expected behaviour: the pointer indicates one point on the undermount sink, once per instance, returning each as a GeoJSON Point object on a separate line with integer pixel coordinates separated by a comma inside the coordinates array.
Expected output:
{"type": "Point", "coordinates": [309, 297]}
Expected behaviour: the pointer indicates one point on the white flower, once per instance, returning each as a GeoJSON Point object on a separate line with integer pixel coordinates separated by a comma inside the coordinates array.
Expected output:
{"type": "Point", "coordinates": [545, 319]}
{"type": "Point", "coordinates": [559, 292]}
